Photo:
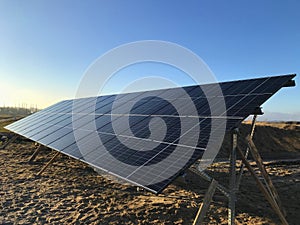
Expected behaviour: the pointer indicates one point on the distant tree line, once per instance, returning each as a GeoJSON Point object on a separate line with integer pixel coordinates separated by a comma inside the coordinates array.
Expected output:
{"type": "Point", "coordinates": [17, 111]}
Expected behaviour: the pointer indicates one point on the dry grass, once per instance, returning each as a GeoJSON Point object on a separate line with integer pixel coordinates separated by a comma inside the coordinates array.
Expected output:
{"type": "Point", "coordinates": [3, 124]}
{"type": "Point", "coordinates": [291, 125]}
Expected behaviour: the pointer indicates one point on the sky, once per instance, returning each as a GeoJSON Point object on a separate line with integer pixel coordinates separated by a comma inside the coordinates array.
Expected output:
{"type": "Point", "coordinates": [46, 47]}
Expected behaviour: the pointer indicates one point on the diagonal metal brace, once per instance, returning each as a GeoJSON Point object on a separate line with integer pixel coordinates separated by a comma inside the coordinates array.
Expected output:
{"type": "Point", "coordinates": [260, 185]}
{"type": "Point", "coordinates": [206, 201]}
{"type": "Point", "coordinates": [48, 164]}
{"type": "Point", "coordinates": [205, 176]}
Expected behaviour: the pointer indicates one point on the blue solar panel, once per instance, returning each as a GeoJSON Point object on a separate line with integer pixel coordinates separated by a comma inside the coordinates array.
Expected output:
{"type": "Point", "coordinates": [121, 134]}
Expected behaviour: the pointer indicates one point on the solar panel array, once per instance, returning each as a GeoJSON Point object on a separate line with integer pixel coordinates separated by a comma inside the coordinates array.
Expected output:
{"type": "Point", "coordinates": [115, 132]}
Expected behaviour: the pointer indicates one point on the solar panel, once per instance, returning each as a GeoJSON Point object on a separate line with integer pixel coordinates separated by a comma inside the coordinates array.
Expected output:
{"type": "Point", "coordinates": [138, 136]}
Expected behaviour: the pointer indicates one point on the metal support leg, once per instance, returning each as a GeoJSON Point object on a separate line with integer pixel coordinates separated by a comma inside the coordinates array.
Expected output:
{"type": "Point", "coordinates": [241, 169]}
{"type": "Point", "coordinates": [232, 182]}
{"type": "Point", "coordinates": [206, 201]}
{"type": "Point", "coordinates": [32, 158]}
{"type": "Point", "coordinates": [269, 184]}
{"type": "Point", "coordinates": [264, 190]}
{"type": "Point", "coordinates": [45, 167]}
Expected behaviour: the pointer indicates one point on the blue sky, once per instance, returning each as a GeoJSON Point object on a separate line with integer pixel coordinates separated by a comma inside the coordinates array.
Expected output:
{"type": "Point", "coordinates": [46, 46]}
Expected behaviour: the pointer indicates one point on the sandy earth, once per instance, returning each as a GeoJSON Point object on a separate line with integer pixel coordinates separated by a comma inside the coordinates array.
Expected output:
{"type": "Point", "coordinates": [70, 192]}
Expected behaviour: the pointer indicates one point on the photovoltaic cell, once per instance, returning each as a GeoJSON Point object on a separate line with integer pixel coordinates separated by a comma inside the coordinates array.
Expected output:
{"type": "Point", "coordinates": [120, 134]}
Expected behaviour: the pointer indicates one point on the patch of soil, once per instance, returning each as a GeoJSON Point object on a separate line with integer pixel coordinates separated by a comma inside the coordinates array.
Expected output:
{"type": "Point", "coordinates": [70, 192]}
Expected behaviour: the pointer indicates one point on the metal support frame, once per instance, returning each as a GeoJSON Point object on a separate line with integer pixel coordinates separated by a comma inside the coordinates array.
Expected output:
{"type": "Point", "coordinates": [34, 155]}
{"type": "Point", "coordinates": [230, 194]}
{"type": "Point", "coordinates": [264, 189]}
{"type": "Point", "coordinates": [208, 178]}
{"type": "Point", "coordinates": [232, 181]}
{"type": "Point", "coordinates": [206, 201]}
{"type": "Point", "coordinates": [268, 182]}
{"type": "Point", "coordinates": [241, 169]}
{"type": "Point", "coordinates": [267, 188]}
{"type": "Point", "coordinates": [48, 163]}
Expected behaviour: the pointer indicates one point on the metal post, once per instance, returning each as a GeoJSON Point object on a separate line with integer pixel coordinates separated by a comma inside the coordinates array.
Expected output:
{"type": "Point", "coordinates": [241, 169]}
{"type": "Point", "coordinates": [232, 182]}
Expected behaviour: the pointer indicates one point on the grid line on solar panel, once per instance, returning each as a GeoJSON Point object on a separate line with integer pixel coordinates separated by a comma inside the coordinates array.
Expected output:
{"type": "Point", "coordinates": [33, 116]}
{"type": "Point", "coordinates": [128, 137]}
{"type": "Point", "coordinates": [36, 123]}
{"type": "Point", "coordinates": [50, 134]}
{"type": "Point", "coordinates": [61, 117]}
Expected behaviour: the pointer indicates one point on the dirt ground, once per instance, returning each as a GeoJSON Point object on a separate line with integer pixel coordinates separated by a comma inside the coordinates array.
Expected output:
{"type": "Point", "coordinates": [70, 192]}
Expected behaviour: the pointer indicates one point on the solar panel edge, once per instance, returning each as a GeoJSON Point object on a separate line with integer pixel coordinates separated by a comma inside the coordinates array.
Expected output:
{"type": "Point", "coordinates": [104, 170]}
{"type": "Point", "coordinates": [196, 85]}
